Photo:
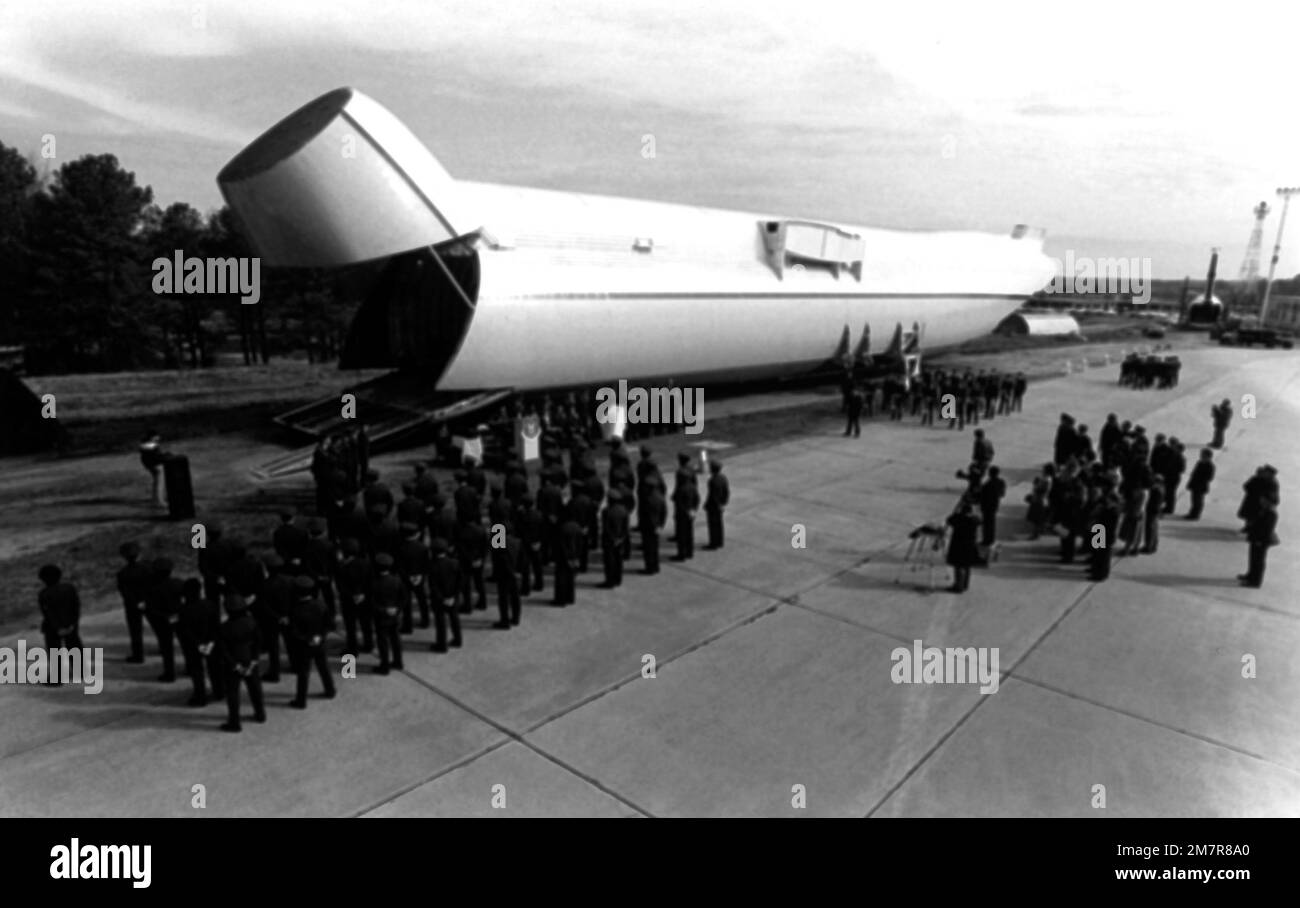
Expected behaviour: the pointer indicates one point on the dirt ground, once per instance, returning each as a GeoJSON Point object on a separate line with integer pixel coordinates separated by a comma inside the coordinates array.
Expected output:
{"type": "Point", "coordinates": [75, 510]}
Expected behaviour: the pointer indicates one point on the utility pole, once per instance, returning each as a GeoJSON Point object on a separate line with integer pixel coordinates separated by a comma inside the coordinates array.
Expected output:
{"type": "Point", "coordinates": [1285, 192]}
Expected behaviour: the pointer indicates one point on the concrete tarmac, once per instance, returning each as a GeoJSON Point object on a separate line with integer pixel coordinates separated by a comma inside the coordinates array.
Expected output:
{"type": "Point", "coordinates": [772, 664]}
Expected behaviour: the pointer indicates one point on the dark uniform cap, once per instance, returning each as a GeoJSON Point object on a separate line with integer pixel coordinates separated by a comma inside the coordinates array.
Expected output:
{"type": "Point", "coordinates": [304, 585]}
{"type": "Point", "coordinates": [235, 603]}
{"type": "Point", "coordinates": [129, 549]}
{"type": "Point", "coordinates": [683, 458]}
{"type": "Point", "coordinates": [439, 547]}
{"type": "Point", "coordinates": [406, 527]}
{"type": "Point", "coordinates": [273, 561]}
{"type": "Point", "coordinates": [50, 573]}
{"type": "Point", "coordinates": [383, 560]}
{"type": "Point", "coordinates": [286, 516]}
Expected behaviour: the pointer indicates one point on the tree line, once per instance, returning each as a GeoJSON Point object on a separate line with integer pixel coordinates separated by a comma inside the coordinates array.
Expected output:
{"type": "Point", "coordinates": [76, 278]}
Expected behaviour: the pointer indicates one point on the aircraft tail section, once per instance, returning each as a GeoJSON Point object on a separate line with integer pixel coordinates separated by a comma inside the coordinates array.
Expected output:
{"type": "Point", "coordinates": [340, 181]}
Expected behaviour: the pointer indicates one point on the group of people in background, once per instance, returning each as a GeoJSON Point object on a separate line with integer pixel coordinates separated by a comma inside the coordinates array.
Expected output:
{"type": "Point", "coordinates": [1139, 371]}
{"type": "Point", "coordinates": [958, 397]}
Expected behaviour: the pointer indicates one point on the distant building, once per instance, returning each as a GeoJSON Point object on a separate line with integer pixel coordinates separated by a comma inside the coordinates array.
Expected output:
{"type": "Point", "coordinates": [1039, 324]}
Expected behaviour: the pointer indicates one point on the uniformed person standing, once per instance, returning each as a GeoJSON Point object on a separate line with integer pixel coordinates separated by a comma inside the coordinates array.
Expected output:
{"type": "Point", "coordinates": [319, 562]}
{"type": "Point", "coordinates": [719, 495]}
{"type": "Point", "coordinates": [60, 610]}
{"type": "Point", "coordinates": [271, 612]}
{"type": "Point", "coordinates": [162, 610]}
{"type": "Point", "coordinates": [310, 624]}
{"type": "Point", "coordinates": [1198, 484]}
{"type": "Point", "coordinates": [386, 605]}
{"type": "Point", "coordinates": [531, 526]}
{"type": "Point", "coordinates": [354, 577]}
{"type": "Point", "coordinates": [990, 496]}
{"type": "Point", "coordinates": [239, 648]}
{"type": "Point", "coordinates": [1222, 415]}
{"type": "Point", "coordinates": [197, 630]}
{"type": "Point", "coordinates": [962, 549]}
{"type": "Point", "coordinates": [506, 561]}
{"type": "Point", "coordinates": [614, 533]}
{"type": "Point", "coordinates": [444, 582]}
{"type": "Point", "coordinates": [1102, 528]}
{"type": "Point", "coordinates": [1154, 508]}
{"type": "Point", "coordinates": [133, 585]}
{"type": "Point", "coordinates": [580, 508]}
{"type": "Point", "coordinates": [413, 568]}
{"type": "Point", "coordinates": [651, 517]}
{"type": "Point", "coordinates": [571, 539]}
{"type": "Point", "coordinates": [1261, 535]}
{"type": "Point", "coordinates": [686, 501]}
{"type": "Point", "coordinates": [472, 550]}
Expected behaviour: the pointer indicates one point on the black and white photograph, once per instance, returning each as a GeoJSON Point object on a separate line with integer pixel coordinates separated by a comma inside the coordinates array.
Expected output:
{"type": "Point", "coordinates": [575, 409]}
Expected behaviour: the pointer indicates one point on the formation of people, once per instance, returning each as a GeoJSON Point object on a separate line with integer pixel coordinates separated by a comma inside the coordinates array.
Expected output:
{"type": "Point", "coordinates": [384, 565]}
{"type": "Point", "coordinates": [1107, 496]}
{"type": "Point", "coordinates": [957, 397]}
{"type": "Point", "coordinates": [1151, 370]}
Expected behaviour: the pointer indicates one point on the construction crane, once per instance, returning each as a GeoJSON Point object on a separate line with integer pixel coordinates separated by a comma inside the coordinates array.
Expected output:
{"type": "Point", "coordinates": [1285, 193]}
{"type": "Point", "coordinates": [1250, 264]}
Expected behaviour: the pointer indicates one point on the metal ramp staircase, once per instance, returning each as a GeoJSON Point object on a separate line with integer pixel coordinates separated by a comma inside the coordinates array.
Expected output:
{"type": "Point", "coordinates": [390, 407]}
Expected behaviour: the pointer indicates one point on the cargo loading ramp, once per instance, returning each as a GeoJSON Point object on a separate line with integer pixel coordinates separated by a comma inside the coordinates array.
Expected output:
{"type": "Point", "coordinates": [390, 408]}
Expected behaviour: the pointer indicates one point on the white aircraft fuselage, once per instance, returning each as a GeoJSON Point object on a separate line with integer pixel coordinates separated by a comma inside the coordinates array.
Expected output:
{"type": "Point", "coordinates": [495, 286]}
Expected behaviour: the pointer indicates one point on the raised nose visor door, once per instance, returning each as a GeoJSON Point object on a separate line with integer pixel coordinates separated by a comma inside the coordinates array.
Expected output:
{"type": "Point", "coordinates": [418, 310]}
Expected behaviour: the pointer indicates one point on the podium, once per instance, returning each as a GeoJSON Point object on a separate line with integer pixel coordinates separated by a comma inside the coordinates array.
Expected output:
{"type": "Point", "coordinates": [180, 490]}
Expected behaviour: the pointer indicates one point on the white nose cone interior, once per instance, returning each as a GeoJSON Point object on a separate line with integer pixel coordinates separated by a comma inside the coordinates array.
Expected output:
{"type": "Point", "coordinates": [340, 181]}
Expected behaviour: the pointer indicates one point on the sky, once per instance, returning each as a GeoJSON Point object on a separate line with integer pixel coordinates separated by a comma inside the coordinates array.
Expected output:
{"type": "Point", "coordinates": [1135, 129]}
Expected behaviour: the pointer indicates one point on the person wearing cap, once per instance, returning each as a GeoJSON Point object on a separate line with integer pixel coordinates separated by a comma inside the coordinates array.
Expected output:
{"type": "Point", "coordinates": [162, 610]}
{"type": "Point", "coordinates": [719, 496]}
{"type": "Point", "coordinates": [271, 613]}
{"type": "Point", "coordinates": [386, 594]}
{"type": "Point", "coordinates": [310, 622]}
{"type": "Point", "coordinates": [240, 651]}
{"type": "Point", "coordinates": [1064, 446]}
{"type": "Point", "coordinates": [1155, 506]}
{"type": "Point", "coordinates": [571, 538]}
{"type": "Point", "coordinates": [615, 531]}
{"type": "Point", "coordinates": [1198, 484]}
{"type": "Point", "coordinates": [60, 610]}
{"type": "Point", "coordinates": [472, 551]}
{"type": "Point", "coordinates": [289, 540]}
{"type": "Point", "coordinates": [412, 564]}
{"type": "Point", "coordinates": [474, 475]}
{"type": "Point", "coordinates": [469, 505]}
{"type": "Point", "coordinates": [516, 483]}
{"type": "Point", "coordinates": [506, 561]}
{"type": "Point", "coordinates": [686, 502]}
{"type": "Point", "coordinates": [1101, 532]}
{"type": "Point", "coordinates": [218, 555]}
{"type": "Point", "coordinates": [580, 509]}
{"type": "Point", "coordinates": [532, 529]}
{"type": "Point", "coordinates": [1175, 465]}
{"type": "Point", "coordinates": [133, 580]}
{"type": "Point", "coordinates": [197, 630]}
{"type": "Point", "coordinates": [444, 587]}
{"type": "Point", "coordinates": [354, 576]}
{"type": "Point", "coordinates": [1260, 488]}
{"type": "Point", "coordinates": [1221, 414]}
{"type": "Point", "coordinates": [318, 563]}
{"type": "Point", "coordinates": [651, 517]}
{"type": "Point", "coordinates": [550, 502]}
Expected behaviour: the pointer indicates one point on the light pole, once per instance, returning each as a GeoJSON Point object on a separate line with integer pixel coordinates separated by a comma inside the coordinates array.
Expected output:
{"type": "Point", "coordinates": [1285, 192]}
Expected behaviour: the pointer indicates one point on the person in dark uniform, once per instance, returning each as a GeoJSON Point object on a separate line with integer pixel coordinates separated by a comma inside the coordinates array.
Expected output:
{"type": "Point", "coordinates": [614, 532]}
{"type": "Point", "coordinates": [981, 450]}
{"type": "Point", "coordinates": [990, 496]}
{"type": "Point", "coordinates": [651, 517]}
{"type": "Point", "coordinates": [444, 582]}
{"type": "Point", "coordinates": [580, 508]}
{"type": "Point", "coordinates": [962, 549]}
{"type": "Point", "coordinates": [1175, 467]}
{"type": "Point", "coordinates": [1103, 527]}
{"type": "Point", "coordinates": [1109, 440]}
{"type": "Point", "coordinates": [386, 594]}
{"type": "Point", "coordinates": [319, 562]}
{"type": "Point", "coordinates": [1198, 484]}
{"type": "Point", "coordinates": [197, 630]}
{"type": "Point", "coordinates": [686, 501]}
{"type": "Point", "coordinates": [413, 568]}
{"type": "Point", "coordinates": [506, 561]}
{"type": "Point", "coordinates": [1066, 438]}
{"type": "Point", "coordinates": [289, 540]}
{"type": "Point", "coordinates": [596, 492]}
{"type": "Point", "coordinates": [239, 650]}
{"type": "Point", "coordinates": [162, 610]}
{"type": "Point", "coordinates": [1222, 415]}
{"type": "Point", "coordinates": [1261, 535]}
{"type": "Point", "coordinates": [1019, 386]}
{"type": "Point", "coordinates": [60, 610]}
{"type": "Point", "coordinates": [1154, 508]}
{"type": "Point", "coordinates": [133, 580]}
{"type": "Point", "coordinates": [354, 578]}
{"type": "Point", "coordinates": [472, 550]}
{"type": "Point", "coordinates": [216, 559]}
{"type": "Point", "coordinates": [375, 495]}
{"type": "Point", "coordinates": [719, 496]}
{"type": "Point", "coordinates": [310, 623]}
{"type": "Point", "coordinates": [571, 539]}
{"type": "Point", "coordinates": [853, 406]}
{"type": "Point", "coordinates": [550, 502]}
{"type": "Point", "coordinates": [531, 527]}
{"type": "Point", "coordinates": [152, 456]}
{"type": "Point", "coordinates": [1067, 499]}
{"type": "Point", "coordinates": [271, 612]}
